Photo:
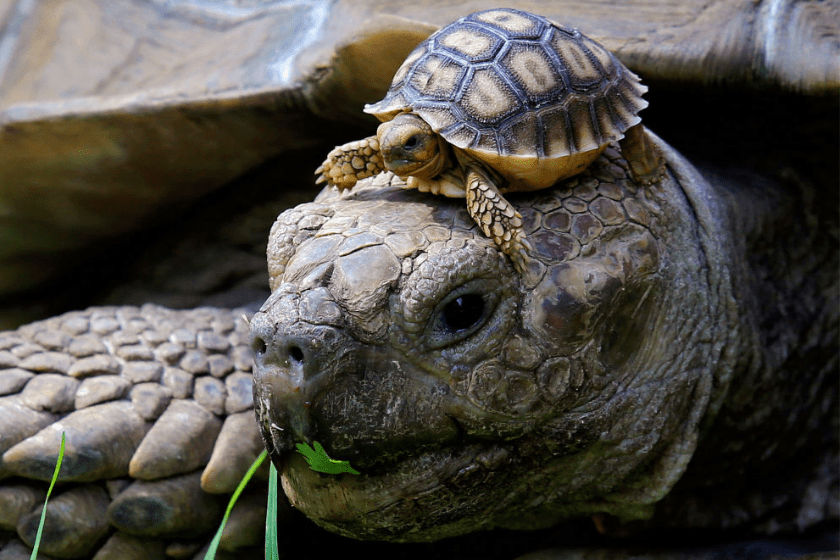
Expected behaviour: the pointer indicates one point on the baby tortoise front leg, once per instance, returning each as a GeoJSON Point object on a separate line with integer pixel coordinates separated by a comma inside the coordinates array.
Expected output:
{"type": "Point", "coordinates": [347, 164]}
{"type": "Point", "coordinates": [496, 217]}
{"type": "Point", "coordinates": [647, 164]}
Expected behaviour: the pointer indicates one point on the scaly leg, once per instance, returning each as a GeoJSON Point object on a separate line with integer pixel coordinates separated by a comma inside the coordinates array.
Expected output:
{"type": "Point", "coordinates": [496, 217]}
{"type": "Point", "coordinates": [352, 162]}
{"type": "Point", "coordinates": [647, 165]}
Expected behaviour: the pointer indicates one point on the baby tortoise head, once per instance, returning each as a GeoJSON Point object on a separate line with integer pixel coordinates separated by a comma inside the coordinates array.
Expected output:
{"type": "Point", "coordinates": [410, 147]}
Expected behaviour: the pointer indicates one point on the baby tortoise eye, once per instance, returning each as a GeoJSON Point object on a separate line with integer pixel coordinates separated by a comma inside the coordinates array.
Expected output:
{"type": "Point", "coordinates": [412, 142]}
{"type": "Point", "coordinates": [463, 312]}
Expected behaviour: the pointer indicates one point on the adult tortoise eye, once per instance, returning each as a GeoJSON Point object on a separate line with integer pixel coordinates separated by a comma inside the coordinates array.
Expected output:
{"type": "Point", "coordinates": [463, 312]}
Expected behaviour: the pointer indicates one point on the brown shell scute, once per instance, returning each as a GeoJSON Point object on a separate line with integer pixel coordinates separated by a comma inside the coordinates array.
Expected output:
{"type": "Point", "coordinates": [513, 83]}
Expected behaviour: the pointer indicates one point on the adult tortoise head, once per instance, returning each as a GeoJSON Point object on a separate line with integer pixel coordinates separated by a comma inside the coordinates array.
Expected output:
{"type": "Point", "coordinates": [470, 396]}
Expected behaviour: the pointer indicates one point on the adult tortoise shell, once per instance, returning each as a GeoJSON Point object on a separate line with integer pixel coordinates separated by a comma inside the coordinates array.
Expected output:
{"type": "Point", "coordinates": [501, 100]}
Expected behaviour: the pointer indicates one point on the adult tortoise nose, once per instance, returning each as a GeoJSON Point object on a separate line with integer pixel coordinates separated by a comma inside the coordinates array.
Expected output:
{"type": "Point", "coordinates": [293, 363]}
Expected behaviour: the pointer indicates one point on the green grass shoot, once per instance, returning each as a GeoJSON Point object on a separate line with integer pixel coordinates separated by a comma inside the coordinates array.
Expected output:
{"type": "Point", "coordinates": [271, 544]}
{"type": "Point", "coordinates": [271, 550]}
{"type": "Point", "coordinates": [46, 501]}
{"type": "Point", "coordinates": [214, 544]}
{"type": "Point", "coordinates": [319, 461]}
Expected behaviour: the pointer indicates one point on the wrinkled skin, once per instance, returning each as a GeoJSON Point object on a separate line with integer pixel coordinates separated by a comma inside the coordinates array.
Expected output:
{"type": "Point", "coordinates": [471, 397]}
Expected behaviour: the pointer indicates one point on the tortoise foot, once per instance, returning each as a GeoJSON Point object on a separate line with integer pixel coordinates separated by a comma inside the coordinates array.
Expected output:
{"type": "Point", "coordinates": [645, 159]}
{"type": "Point", "coordinates": [349, 163]}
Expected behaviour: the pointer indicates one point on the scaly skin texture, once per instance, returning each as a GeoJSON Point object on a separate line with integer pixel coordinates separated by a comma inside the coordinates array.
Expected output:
{"type": "Point", "coordinates": [156, 405]}
{"type": "Point", "coordinates": [616, 365]}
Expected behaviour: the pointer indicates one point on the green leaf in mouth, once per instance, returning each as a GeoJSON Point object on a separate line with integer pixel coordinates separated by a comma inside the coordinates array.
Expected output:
{"type": "Point", "coordinates": [319, 461]}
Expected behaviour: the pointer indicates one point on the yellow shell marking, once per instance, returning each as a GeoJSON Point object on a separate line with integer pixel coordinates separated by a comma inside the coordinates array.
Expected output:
{"type": "Point", "coordinates": [581, 68]}
{"type": "Point", "coordinates": [513, 23]}
{"type": "Point", "coordinates": [467, 42]}
{"type": "Point", "coordinates": [435, 77]}
{"type": "Point", "coordinates": [533, 71]}
{"type": "Point", "coordinates": [487, 98]}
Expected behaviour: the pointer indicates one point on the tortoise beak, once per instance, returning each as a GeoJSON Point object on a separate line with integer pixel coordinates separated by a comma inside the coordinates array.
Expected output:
{"type": "Point", "coordinates": [400, 161]}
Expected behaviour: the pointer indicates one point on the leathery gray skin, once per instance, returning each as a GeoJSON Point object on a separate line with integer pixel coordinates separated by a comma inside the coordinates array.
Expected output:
{"type": "Point", "coordinates": [652, 362]}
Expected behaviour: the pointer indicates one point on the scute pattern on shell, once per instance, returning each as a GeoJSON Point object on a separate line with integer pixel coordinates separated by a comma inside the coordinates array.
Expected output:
{"type": "Point", "coordinates": [513, 83]}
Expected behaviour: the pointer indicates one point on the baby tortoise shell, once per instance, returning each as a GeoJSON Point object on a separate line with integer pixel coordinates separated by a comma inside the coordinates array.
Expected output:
{"type": "Point", "coordinates": [501, 100]}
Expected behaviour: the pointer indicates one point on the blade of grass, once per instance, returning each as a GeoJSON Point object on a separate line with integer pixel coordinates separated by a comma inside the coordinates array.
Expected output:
{"type": "Point", "coordinates": [214, 544]}
{"type": "Point", "coordinates": [271, 550]}
{"type": "Point", "coordinates": [49, 491]}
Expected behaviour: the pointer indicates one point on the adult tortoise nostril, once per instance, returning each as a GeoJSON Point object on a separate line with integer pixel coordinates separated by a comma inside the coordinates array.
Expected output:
{"type": "Point", "coordinates": [259, 347]}
{"type": "Point", "coordinates": [296, 354]}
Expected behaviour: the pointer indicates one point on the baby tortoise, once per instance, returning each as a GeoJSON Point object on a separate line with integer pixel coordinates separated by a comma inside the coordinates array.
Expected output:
{"type": "Point", "coordinates": [500, 101]}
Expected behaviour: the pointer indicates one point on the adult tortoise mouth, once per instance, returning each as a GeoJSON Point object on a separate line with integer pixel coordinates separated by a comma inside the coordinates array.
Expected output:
{"type": "Point", "coordinates": [384, 504]}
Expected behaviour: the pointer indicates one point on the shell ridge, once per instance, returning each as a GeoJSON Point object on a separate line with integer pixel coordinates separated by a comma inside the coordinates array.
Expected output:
{"type": "Point", "coordinates": [595, 61]}
{"type": "Point", "coordinates": [511, 121]}
{"type": "Point", "coordinates": [462, 87]}
{"type": "Point", "coordinates": [453, 54]}
{"type": "Point", "coordinates": [540, 136]}
{"type": "Point", "coordinates": [484, 26]}
{"type": "Point", "coordinates": [534, 18]}
{"type": "Point", "coordinates": [570, 147]}
{"type": "Point", "coordinates": [596, 122]}
{"type": "Point", "coordinates": [618, 122]}
{"type": "Point", "coordinates": [598, 85]}
{"type": "Point", "coordinates": [573, 147]}
{"type": "Point", "coordinates": [559, 64]}
{"type": "Point", "coordinates": [480, 135]}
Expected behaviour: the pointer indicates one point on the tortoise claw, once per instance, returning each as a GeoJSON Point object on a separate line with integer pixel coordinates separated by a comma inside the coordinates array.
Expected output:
{"type": "Point", "coordinates": [518, 254]}
{"type": "Point", "coordinates": [347, 164]}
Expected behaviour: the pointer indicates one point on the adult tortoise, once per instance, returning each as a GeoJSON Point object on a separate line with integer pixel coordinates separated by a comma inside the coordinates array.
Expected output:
{"type": "Point", "coordinates": [500, 101]}
{"type": "Point", "coordinates": [786, 228]}
{"type": "Point", "coordinates": [638, 376]}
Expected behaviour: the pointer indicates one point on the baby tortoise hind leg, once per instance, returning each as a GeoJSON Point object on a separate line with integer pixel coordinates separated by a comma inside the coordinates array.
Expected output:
{"type": "Point", "coordinates": [647, 164]}
{"type": "Point", "coordinates": [496, 217]}
{"type": "Point", "coordinates": [351, 162]}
